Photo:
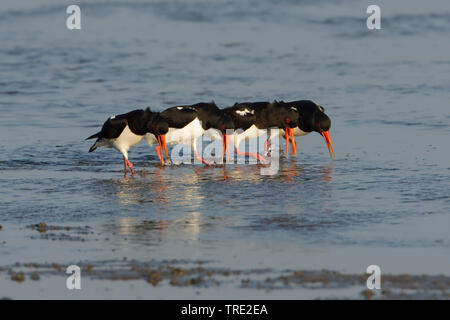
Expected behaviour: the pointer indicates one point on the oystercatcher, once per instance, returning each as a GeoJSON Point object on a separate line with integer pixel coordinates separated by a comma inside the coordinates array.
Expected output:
{"type": "Point", "coordinates": [256, 117]}
{"type": "Point", "coordinates": [191, 121]}
{"type": "Point", "coordinates": [123, 131]}
{"type": "Point", "coordinates": [312, 117]}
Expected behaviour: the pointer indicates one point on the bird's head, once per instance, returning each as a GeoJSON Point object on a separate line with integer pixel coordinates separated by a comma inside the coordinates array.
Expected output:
{"type": "Point", "coordinates": [312, 117]}
{"type": "Point", "coordinates": [157, 125]}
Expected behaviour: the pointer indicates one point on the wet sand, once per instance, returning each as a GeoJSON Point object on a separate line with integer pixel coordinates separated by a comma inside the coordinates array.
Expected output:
{"type": "Point", "coordinates": [189, 278]}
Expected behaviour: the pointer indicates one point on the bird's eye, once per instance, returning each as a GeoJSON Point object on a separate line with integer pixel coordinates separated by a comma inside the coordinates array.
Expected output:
{"type": "Point", "coordinates": [287, 120]}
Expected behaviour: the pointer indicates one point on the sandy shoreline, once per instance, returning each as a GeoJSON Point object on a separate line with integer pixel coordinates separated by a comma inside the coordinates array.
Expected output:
{"type": "Point", "coordinates": [130, 278]}
{"type": "Point", "coordinates": [195, 279]}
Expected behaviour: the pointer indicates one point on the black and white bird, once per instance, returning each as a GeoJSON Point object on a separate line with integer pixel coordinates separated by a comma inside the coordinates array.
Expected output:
{"type": "Point", "coordinates": [186, 123]}
{"type": "Point", "coordinates": [121, 132]}
{"type": "Point", "coordinates": [255, 118]}
{"type": "Point", "coordinates": [312, 117]}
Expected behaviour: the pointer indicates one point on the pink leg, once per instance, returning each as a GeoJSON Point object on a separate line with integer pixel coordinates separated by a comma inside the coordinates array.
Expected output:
{"type": "Point", "coordinates": [159, 153]}
{"type": "Point", "coordinates": [124, 165]}
{"type": "Point", "coordinates": [198, 157]}
{"type": "Point", "coordinates": [267, 144]}
{"type": "Point", "coordinates": [255, 155]}
{"type": "Point", "coordinates": [130, 165]}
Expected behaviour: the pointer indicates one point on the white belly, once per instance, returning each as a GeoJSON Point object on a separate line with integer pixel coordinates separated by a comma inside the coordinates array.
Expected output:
{"type": "Point", "coordinates": [193, 130]}
{"type": "Point", "coordinates": [126, 140]}
{"type": "Point", "coordinates": [299, 132]}
{"type": "Point", "coordinates": [251, 133]}
{"type": "Point", "coordinates": [213, 134]}
{"type": "Point", "coordinates": [151, 138]}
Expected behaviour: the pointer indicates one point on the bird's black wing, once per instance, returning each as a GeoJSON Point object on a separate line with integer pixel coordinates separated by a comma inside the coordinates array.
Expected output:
{"type": "Point", "coordinates": [306, 105]}
{"type": "Point", "coordinates": [179, 116]}
{"type": "Point", "coordinates": [137, 120]}
{"type": "Point", "coordinates": [113, 127]}
{"type": "Point", "coordinates": [242, 114]}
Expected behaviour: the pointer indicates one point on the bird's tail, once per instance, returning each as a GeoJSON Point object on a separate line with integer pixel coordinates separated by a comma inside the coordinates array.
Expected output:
{"type": "Point", "coordinates": [97, 135]}
{"type": "Point", "coordinates": [94, 146]}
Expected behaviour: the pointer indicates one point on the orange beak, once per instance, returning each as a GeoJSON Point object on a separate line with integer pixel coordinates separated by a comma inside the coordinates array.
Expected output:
{"type": "Point", "coordinates": [289, 133]}
{"type": "Point", "coordinates": [159, 149]}
{"type": "Point", "coordinates": [226, 146]}
{"type": "Point", "coordinates": [294, 146]}
{"type": "Point", "coordinates": [326, 136]}
{"type": "Point", "coordinates": [287, 142]}
{"type": "Point", "coordinates": [163, 140]}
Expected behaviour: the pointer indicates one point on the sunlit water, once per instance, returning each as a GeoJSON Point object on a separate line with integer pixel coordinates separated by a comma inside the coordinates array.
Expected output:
{"type": "Point", "coordinates": [383, 200]}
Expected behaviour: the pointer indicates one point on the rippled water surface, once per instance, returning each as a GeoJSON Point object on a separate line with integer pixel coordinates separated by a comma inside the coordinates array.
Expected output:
{"type": "Point", "coordinates": [383, 200]}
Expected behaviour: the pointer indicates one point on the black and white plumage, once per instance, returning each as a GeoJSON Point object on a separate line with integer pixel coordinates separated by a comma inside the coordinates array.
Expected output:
{"type": "Point", "coordinates": [255, 118]}
{"type": "Point", "coordinates": [189, 122]}
{"type": "Point", "coordinates": [312, 117]}
{"type": "Point", "coordinates": [123, 131]}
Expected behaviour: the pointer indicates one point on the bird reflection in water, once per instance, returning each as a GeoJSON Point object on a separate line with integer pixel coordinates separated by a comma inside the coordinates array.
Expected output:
{"type": "Point", "coordinates": [168, 193]}
{"type": "Point", "coordinates": [159, 186]}
{"type": "Point", "coordinates": [172, 202]}
{"type": "Point", "coordinates": [219, 172]}
{"type": "Point", "coordinates": [129, 190]}
{"type": "Point", "coordinates": [292, 171]}
{"type": "Point", "coordinates": [289, 170]}
{"type": "Point", "coordinates": [186, 227]}
{"type": "Point", "coordinates": [327, 172]}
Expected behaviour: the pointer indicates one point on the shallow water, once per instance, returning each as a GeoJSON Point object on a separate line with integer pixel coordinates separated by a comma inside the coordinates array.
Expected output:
{"type": "Point", "coordinates": [383, 200]}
